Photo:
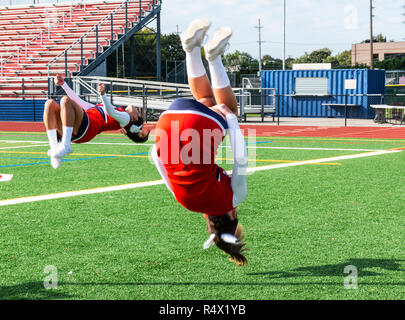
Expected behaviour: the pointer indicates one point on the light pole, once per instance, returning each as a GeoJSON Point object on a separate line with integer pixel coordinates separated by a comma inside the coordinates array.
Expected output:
{"type": "Point", "coordinates": [403, 13]}
{"type": "Point", "coordinates": [260, 27]}
{"type": "Point", "coordinates": [260, 47]}
{"type": "Point", "coordinates": [284, 32]}
{"type": "Point", "coordinates": [371, 37]}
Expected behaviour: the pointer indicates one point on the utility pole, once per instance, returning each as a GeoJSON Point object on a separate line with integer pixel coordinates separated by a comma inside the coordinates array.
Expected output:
{"type": "Point", "coordinates": [371, 37]}
{"type": "Point", "coordinates": [284, 32]}
{"type": "Point", "coordinates": [260, 47]}
{"type": "Point", "coordinates": [403, 13]}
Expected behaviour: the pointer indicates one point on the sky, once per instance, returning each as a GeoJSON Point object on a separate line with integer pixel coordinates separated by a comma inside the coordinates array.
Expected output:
{"type": "Point", "coordinates": [310, 24]}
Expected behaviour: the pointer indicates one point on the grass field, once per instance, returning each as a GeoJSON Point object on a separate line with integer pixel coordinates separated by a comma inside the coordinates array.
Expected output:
{"type": "Point", "coordinates": [304, 224]}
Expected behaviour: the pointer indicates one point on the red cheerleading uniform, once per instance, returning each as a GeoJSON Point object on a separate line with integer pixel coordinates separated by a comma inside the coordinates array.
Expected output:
{"type": "Point", "coordinates": [188, 135]}
{"type": "Point", "coordinates": [95, 121]}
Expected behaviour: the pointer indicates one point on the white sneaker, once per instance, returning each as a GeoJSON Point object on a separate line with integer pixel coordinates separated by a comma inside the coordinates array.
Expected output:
{"type": "Point", "coordinates": [55, 162]}
{"type": "Point", "coordinates": [217, 46]}
{"type": "Point", "coordinates": [61, 151]}
{"type": "Point", "coordinates": [195, 33]}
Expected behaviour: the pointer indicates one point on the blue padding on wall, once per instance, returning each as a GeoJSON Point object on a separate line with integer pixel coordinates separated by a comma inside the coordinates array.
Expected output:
{"type": "Point", "coordinates": [22, 110]}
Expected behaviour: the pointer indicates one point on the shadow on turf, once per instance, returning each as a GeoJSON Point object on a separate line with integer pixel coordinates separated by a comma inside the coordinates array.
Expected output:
{"type": "Point", "coordinates": [337, 270]}
{"type": "Point", "coordinates": [36, 290]}
{"type": "Point", "coordinates": [30, 291]}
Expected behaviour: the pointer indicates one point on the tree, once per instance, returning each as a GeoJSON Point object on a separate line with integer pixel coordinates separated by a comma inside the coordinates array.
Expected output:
{"type": "Point", "coordinates": [391, 64]}
{"type": "Point", "coordinates": [341, 60]}
{"type": "Point", "coordinates": [144, 58]}
{"type": "Point", "coordinates": [289, 62]}
{"type": "Point", "coordinates": [378, 38]}
{"type": "Point", "coordinates": [319, 56]}
{"type": "Point", "coordinates": [171, 48]}
{"type": "Point", "coordinates": [239, 61]}
{"type": "Point", "coordinates": [333, 60]}
{"type": "Point", "coordinates": [303, 59]}
{"type": "Point", "coordinates": [345, 58]}
{"type": "Point", "coordinates": [270, 63]}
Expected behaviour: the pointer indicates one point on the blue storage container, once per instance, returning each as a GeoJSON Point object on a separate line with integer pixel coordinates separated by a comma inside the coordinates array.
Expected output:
{"type": "Point", "coordinates": [318, 93]}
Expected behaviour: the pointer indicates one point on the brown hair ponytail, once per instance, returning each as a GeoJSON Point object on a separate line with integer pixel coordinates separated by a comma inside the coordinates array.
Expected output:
{"type": "Point", "coordinates": [224, 224]}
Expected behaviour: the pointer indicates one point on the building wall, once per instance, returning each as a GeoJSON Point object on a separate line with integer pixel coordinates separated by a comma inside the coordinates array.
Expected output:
{"type": "Point", "coordinates": [361, 51]}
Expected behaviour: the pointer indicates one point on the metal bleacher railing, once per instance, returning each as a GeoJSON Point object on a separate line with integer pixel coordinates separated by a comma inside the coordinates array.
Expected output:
{"type": "Point", "coordinates": [18, 51]}
{"type": "Point", "coordinates": [155, 97]}
{"type": "Point", "coordinates": [150, 96]}
{"type": "Point", "coordinates": [107, 23]}
{"type": "Point", "coordinates": [73, 39]}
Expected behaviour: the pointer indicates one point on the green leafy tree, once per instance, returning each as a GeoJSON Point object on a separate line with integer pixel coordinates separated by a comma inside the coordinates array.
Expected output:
{"type": "Point", "coordinates": [144, 58]}
{"type": "Point", "coordinates": [391, 64]}
{"type": "Point", "coordinates": [303, 59]}
{"type": "Point", "coordinates": [270, 63]}
{"type": "Point", "coordinates": [238, 60]}
{"type": "Point", "coordinates": [289, 62]}
{"type": "Point", "coordinates": [333, 60]}
{"type": "Point", "coordinates": [319, 56]}
{"type": "Point", "coordinates": [345, 58]}
{"type": "Point", "coordinates": [380, 38]}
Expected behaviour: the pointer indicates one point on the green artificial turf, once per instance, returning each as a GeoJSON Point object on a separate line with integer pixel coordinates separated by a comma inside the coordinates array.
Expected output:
{"type": "Point", "coordinates": [304, 225]}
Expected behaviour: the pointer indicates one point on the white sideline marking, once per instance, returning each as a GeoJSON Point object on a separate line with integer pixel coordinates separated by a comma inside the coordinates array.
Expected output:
{"type": "Point", "coordinates": [79, 192]}
{"type": "Point", "coordinates": [19, 147]}
{"type": "Point", "coordinates": [158, 182]}
{"type": "Point", "coordinates": [26, 141]}
{"type": "Point", "coordinates": [314, 149]}
{"type": "Point", "coordinates": [338, 158]}
{"type": "Point", "coordinates": [5, 177]}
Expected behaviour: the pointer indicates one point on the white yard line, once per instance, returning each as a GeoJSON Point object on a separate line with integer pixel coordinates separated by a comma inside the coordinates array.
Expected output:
{"type": "Point", "coordinates": [248, 146]}
{"type": "Point", "coordinates": [19, 147]}
{"type": "Point", "coordinates": [311, 149]}
{"type": "Point", "coordinates": [159, 182]}
{"type": "Point", "coordinates": [338, 158]}
{"type": "Point", "coordinates": [79, 193]}
{"type": "Point", "coordinates": [24, 141]}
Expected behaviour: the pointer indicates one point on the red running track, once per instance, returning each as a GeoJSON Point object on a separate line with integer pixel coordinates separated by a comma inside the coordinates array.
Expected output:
{"type": "Point", "coordinates": [265, 130]}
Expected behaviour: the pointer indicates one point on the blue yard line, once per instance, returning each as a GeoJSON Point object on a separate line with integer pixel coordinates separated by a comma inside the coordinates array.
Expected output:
{"type": "Point", "coordinates": [261, 142]}
{"type": "Point", "coordinates": [137, 154]}
{"type": "Point", "coordinates": [63, 160]}
{"type": "Point", "coordinates": [95, 158]}
{"type": "Point", "coordinates": [24, 158]}
{"type": "Point", "coordinates": [24, 164]}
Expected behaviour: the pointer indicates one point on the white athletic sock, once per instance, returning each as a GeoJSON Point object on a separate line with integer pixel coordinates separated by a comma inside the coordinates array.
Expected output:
{"type": "Point", "coordinates": [194, 64]}
{"type": "Point", "coordinates": [67, 136]}
{"type": "Point", "coordinates": [219, 78]}
{"type": "Point", "coordinates": [52, 137]}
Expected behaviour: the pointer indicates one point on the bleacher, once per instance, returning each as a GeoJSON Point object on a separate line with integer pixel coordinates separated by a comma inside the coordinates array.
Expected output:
{"type": "Point", "coordinates": [34, 38]}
